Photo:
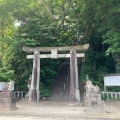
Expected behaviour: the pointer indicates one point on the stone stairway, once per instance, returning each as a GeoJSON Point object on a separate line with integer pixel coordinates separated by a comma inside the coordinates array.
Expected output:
{"type": "Point", "coordinates": [61, 89]}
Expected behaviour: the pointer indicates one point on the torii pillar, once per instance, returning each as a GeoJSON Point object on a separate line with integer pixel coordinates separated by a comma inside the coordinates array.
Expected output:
{"type": "Point", "coordinates": [34, 94]}
{"type": "Point", "coordinates": [74, 79]}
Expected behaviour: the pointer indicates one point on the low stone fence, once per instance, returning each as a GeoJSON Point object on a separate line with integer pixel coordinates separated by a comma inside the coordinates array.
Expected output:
{"type": "Point", "coordinates": [20, 94]}
{"type": "Point", "coordinates": [110, 95]}
{"type": "Point", "coordinates": [104, 95]}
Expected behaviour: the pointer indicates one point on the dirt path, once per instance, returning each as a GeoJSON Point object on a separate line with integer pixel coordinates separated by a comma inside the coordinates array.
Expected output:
{"type": "Point", "coordinates": [51, 110]}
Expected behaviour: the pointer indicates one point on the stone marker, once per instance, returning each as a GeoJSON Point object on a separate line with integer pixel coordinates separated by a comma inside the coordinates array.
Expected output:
{"type": "Point", "coordinates": [7, 100]}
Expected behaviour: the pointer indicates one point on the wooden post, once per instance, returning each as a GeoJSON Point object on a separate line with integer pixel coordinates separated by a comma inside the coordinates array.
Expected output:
{"type": "Point", "coordinates": [74, 84]}
{"type": "Point", "coordinates": [34, 91]}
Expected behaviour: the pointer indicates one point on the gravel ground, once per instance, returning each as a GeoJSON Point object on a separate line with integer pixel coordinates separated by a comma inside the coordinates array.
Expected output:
{"type": "Point", "coordinates": [57, 110]}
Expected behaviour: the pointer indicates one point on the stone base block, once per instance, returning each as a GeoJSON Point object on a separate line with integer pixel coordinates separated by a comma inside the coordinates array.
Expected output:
{"type": "Point", "coordinates": [6, 94]}
{"type": "Point", "coordinates": [94, 103]}
{"type": "Point", "coordinates": [7, 104]}
{"type": "Point", "coordinates": [94, 97]}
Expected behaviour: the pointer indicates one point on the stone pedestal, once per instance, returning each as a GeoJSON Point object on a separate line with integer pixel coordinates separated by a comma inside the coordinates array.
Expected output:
{"type": "Point", "coordinates": [7, 101]}
{"type": "Point", "coordinates": [93, 100]}
{"type": "Point", "coordinates": [94, 104]}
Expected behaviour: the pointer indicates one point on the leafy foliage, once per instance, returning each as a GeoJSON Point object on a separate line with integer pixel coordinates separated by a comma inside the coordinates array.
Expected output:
{"type": "Point", "coordinates": [58, 23]}
{"type": "Point", "coordinates": [6, 74]}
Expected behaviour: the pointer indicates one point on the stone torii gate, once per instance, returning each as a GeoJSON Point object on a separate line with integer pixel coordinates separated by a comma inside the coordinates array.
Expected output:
{"type": "Point", "coordinates": [34, 94]}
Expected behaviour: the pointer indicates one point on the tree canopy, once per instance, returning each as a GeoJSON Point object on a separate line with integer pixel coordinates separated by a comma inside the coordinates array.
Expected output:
{"type": "Point", "coordinates": [59, 23]}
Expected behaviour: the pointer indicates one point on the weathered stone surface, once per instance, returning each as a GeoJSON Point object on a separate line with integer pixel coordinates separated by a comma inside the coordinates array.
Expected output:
{"type": "Point", "coordinates": [6, 94]}
{"type": "Point", "coordinates": [8, 86]}
{"type": "Point", "coordinates": [34, 90]}
{"type": "Point", "coordinates": [74, 82]}
{"type": "Point", "coordinates": [90, 88]}
{"type": "Point", "coordinates": [7, 101]}
{"type": "Point", "coordinates": [94, 103]}
{"type": "Point", "coordinates": [92, 96]}
{"type": "Point", "coordinates": [47, 49]}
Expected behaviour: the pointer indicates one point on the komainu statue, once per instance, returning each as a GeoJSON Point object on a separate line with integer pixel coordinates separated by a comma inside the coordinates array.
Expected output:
{"type": "Point", "coordinates": [8, 86]}
{"type": "Point", "coordinates": [92, 96]}
{"type": "Point", "coordinates": [90, 88]}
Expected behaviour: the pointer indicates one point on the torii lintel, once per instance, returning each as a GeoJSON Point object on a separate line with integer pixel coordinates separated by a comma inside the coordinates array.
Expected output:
{"type": "Point", "coordinates": [48, 49]}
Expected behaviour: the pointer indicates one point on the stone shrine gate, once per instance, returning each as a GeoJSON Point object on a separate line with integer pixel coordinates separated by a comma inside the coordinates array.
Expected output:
{"type": "Point", "coordinates": [75, 52]}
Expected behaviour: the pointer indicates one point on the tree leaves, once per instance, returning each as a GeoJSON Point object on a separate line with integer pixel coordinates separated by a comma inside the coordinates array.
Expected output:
{"type": "Point", "coordinates": [58, 23]}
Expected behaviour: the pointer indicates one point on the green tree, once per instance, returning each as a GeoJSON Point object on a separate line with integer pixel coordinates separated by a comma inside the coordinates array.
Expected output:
{"type": "Point", "coordinates": [59, 23]}
{"type": "Point", "coordinates": [7, 27]}
{"type": "Point", "coordinates": [7, 30]}
{"type": "Point", "coordinates": [36, 29]}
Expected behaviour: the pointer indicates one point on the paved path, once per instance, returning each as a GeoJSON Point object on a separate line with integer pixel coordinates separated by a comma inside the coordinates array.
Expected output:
{"type": "Point", "coordinates": [50, 110]}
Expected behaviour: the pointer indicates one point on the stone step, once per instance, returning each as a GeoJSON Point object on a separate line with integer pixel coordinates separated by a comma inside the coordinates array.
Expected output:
{"type": "Point", "coordinates": [54, 98]}
{"type": "Point", "coordinates": [61, 90]}
{"type": "Point", "coordinates": [66, 98]}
